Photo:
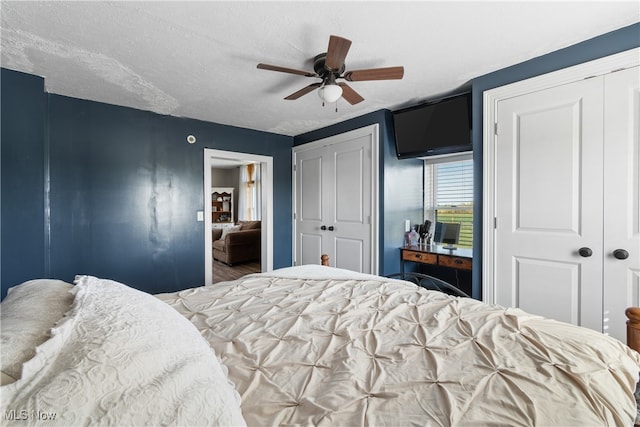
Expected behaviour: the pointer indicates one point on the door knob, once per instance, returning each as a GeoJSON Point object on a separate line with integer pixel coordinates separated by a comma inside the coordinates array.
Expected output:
{"type": "Point", "coordinates": [621, 254]}
{"type": "Point", "coordinates": [331, 228]}
{"type": "Point", "coordinates": [323, 227]}
{"type": "Point", "coordinates": [585, 252]}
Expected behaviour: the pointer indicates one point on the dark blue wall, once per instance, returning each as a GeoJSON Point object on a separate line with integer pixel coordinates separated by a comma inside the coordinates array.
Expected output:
{"type": "Point", "coordinates": [401, 185]}
{"type": "Point", "coordinates": [22, 210]}
{"type": "Point", "coordinates": [608, 44]}
{"type": "Point", "coordinates": [125, 187]}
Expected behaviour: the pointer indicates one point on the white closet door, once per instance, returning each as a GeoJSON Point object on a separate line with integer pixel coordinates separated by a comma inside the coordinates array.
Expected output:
{"type": "Point", "coordinates": [334, 204]}
{"type": "Point", "coordinates": [621, 197]}
{"type": "Point", "coordinates": [349, 207]}
{"type": "Point", "coordinates": [549, 203]}
{"type": "Point", "coordinates": [311, 177]}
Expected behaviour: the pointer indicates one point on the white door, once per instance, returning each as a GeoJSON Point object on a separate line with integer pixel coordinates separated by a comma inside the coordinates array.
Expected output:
{"type": "Point", "coordinates": [334, 204]}
{"type": "Point", "coordinates": [621, 197]}
{"type": "Point", "coordinates": [567, 234]}
{"type": "Point", "coordinates": [309, 213]}
{"type": "Point", "coordinates": [549, 203]}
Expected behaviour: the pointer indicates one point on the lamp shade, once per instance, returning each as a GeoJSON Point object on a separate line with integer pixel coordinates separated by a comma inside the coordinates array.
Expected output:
{"type": "Point", "coordinates": [330, 93]}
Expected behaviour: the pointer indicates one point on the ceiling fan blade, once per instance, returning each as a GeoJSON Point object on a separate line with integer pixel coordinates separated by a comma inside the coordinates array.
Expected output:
{"type": "Point", "coordinates": [286, 70]}
{"type": "Point", "coordinates": [350, 95]}
{"type": "Point", "coordinates": [303, 91]}
{"type": "Point", "coordinates": [336, 52]}
{"type": "Point", "coordinates": [388, 73]}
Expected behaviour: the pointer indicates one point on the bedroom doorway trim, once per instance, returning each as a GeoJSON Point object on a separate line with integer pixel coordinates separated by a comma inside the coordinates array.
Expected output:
{"type": "Point", "coordinates": [266, 168]}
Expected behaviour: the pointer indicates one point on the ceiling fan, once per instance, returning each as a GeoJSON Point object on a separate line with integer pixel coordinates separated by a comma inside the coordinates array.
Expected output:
{"type": "Point", "coordinates": [329, 67]}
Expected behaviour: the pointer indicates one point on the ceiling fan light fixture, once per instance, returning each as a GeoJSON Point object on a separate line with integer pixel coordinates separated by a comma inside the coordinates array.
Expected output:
{"type": "Point", "coordinates": [330, 93]}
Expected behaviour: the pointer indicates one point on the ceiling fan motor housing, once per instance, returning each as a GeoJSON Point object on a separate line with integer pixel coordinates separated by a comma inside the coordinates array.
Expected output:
{"type": "Point", "coordinates": [325, 73]}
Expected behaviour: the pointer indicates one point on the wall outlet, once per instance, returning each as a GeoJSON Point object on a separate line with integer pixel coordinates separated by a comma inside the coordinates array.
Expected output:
{"type": "Point", "coordinates": [407, 225]}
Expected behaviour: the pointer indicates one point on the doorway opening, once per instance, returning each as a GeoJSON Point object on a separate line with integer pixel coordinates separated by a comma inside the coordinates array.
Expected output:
{"type": "Point", "coordinates": [222, 170]}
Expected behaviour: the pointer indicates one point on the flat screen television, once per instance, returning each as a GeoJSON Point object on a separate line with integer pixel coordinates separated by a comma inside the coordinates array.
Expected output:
{"type": "Point", "coordinates": [434, 128]}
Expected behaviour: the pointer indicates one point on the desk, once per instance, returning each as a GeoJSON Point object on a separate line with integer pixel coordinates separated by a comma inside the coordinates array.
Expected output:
{"type": "Point", "coordinates": [460, 258]}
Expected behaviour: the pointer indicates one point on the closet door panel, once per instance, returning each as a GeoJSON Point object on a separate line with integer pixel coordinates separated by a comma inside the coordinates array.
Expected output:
{"type": "Point", "coordinates": [350, 186]}
{"type": "Point", "coordinates": [621, 197]}
{"type": "Point", "coordinates": [350, 254]}
{"type": "Point", "coordinates": [549, 202]}
{"type": "Point", "coordinates": [334, 184]}
{"type": "Point", "coordinates": [349, 209]}
{"type": "Point", "coordinates": [309, 210]}
{"type": "Point", "coordinates": [310, 248]}
{"type": "Point", "coordinates": [311, 181]}
{"type": "Point", "coordinates": [537, 279]}
{"type": "Point", "coordinates": [547, 151]}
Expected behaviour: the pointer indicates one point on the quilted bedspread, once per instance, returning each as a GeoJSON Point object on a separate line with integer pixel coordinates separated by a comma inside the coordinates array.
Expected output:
{"type": "Point", "coordinates": [320, 346]}
{"type": "Point", "coordinates": [120, 357]}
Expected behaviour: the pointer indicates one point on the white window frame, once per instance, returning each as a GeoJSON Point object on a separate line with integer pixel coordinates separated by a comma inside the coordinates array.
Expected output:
{"type": "Point", "coordinates": [430, 181]}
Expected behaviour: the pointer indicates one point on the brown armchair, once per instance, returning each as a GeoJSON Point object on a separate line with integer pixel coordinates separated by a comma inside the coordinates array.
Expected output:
{"type": "Point", "coordinates": [238, 245]}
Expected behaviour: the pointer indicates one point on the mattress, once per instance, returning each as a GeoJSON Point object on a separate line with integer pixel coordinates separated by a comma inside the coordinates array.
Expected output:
{"type": "Point", "coordinates": [318, 345]}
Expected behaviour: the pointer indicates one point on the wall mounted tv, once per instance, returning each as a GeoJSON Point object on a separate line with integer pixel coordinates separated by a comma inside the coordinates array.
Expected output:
{"type": "Point", "coordinates": [439, 127]}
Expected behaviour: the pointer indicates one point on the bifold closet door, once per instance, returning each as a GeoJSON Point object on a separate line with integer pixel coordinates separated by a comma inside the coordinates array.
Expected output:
{"type": "Point", "coordinates": [568, 201]}
{"type": "Point", "coordinates": [333, 204]}
{"type": "Point", "coordinates": [621, 197]}
{"type": "Point", "coordinates": [549, 219]}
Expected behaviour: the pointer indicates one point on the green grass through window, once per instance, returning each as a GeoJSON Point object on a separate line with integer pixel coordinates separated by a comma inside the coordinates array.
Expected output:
{"type": "Point", "coordinates": [465, 218]}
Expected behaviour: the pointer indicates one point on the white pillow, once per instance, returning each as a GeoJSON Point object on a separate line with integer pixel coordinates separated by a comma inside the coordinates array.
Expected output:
{"type": "Point", "coordinates": [121, 356]}
{"type": "Point", "coordinates": [228, 230]}
{"type": "Point", "coordinates": [27, 315]}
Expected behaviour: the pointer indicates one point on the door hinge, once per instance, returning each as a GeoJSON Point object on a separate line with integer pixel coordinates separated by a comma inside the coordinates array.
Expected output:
{"type": "Point", "coordinates": [294, 167]}
{"type": "Point", "coordinates": [294, 215]}
{"type": "Point", "coordinates": [495, 222]}
{"type": "Point", "coordinates": [495, 128]}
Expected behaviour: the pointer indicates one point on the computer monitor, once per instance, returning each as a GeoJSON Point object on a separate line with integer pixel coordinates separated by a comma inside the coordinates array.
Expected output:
{"type": "Point", "coordinates": [447, 233]}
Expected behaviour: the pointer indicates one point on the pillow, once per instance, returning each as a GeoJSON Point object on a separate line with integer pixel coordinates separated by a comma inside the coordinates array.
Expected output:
{"type": "Point", "coordinates": [249, 225]}
{"type": "Point", "coordinates": [228, 230]}
{"type": "Point", "coordinates": [121, 356]}
{"type": "Point", "coordinates": [27, 315]}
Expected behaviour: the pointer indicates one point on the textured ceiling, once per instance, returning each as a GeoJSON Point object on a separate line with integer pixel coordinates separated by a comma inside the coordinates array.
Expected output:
{"type": "Point", "coordinates": [198, 59]}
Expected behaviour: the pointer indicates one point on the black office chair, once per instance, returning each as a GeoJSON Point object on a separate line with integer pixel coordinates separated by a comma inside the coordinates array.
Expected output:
{"type": "Point", "coordinates": [429, 282]}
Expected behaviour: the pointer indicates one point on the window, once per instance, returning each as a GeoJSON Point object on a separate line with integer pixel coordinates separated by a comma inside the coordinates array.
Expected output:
{"type": "Point", "coordinates": [249, 195]}
{"type": "Point", "coordinates": [449, 193]}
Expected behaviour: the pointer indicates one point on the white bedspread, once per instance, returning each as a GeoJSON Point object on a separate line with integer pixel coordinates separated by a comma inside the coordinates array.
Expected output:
{"type": "Point", "coordinates": [304, 349]}
{"type": "Point", "coordinates": [121, 357]}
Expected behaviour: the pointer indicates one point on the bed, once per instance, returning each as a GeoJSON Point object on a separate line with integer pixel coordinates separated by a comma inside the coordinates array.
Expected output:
{"type": "Point", "coordinates": [307, 345]}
